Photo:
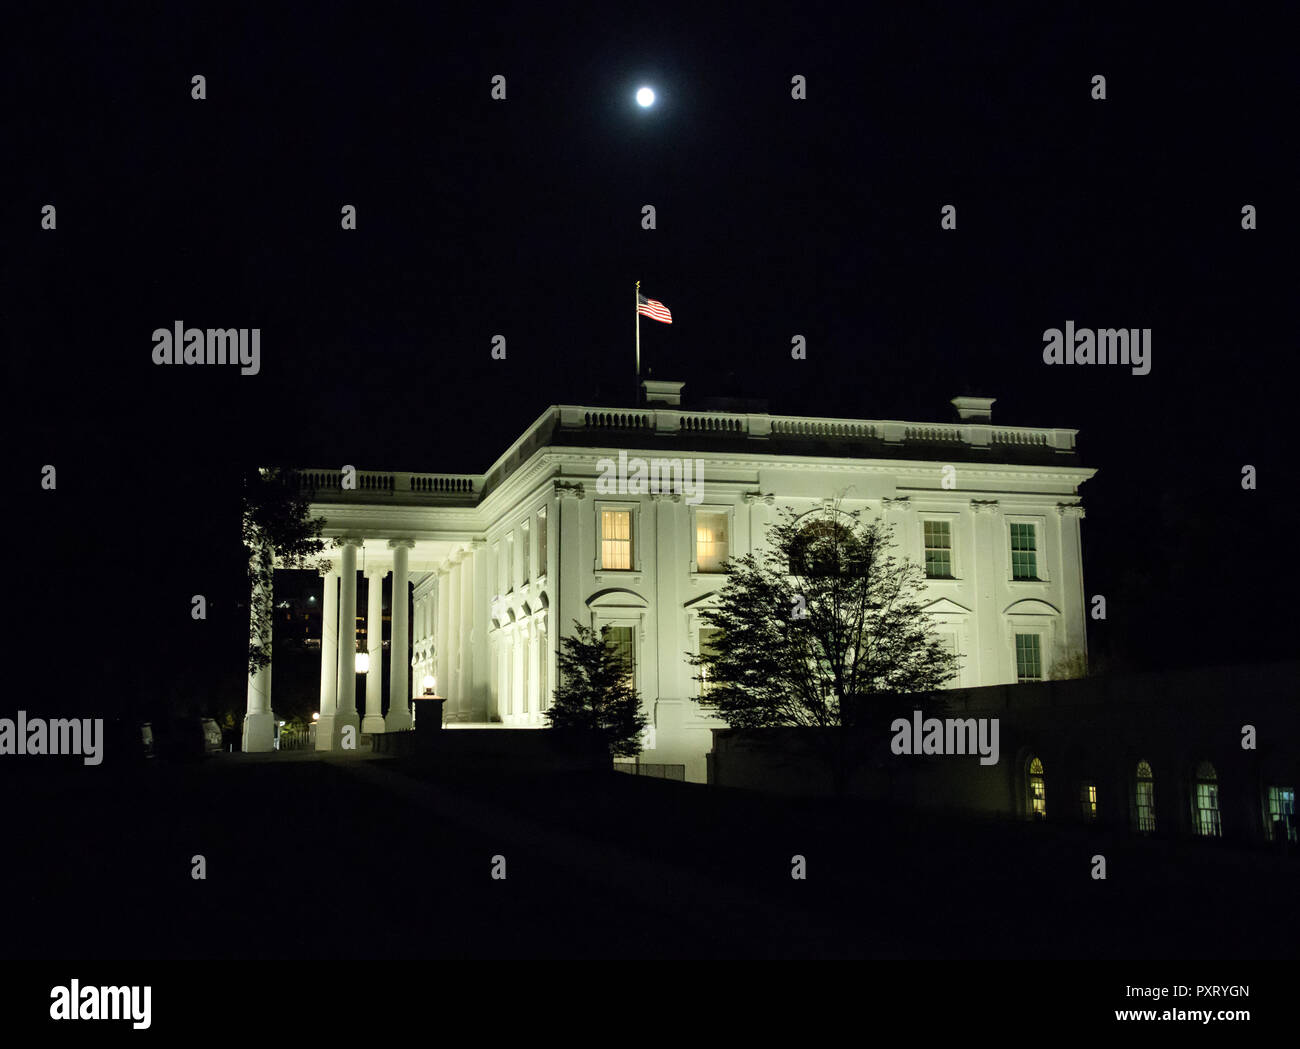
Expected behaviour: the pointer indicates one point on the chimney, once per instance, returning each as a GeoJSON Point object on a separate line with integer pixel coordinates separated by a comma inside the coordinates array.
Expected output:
{"type": "Point", "coordinates": [974, 409]}
{"type": "Point", "coordinates": [661, 391]}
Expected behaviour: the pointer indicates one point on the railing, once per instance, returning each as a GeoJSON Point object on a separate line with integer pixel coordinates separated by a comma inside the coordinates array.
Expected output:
{"type": "Point", "coordinates": [453, 488]}
{"type": "Point", "coordinates": [617, 420]}
{"type": "Point", "coordinates": [795, 427]}
{"type": "Point", "coordinates": [745, 425]}
{"type": "Point", "coordinates": [610, 426]}
{"type": "Point", "coordinates": [713, 423]}
{"type": "Point", "coordinates": [932, 433]}
{"type": "Point", "coordinates": [296, 740]}
{"type": "Point", "coordinates": [643, 768]}
{"type": "Point", "coordinates": [1029, 437]}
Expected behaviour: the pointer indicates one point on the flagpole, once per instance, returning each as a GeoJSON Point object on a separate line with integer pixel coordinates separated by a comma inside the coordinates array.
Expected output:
{"type": "Point", "coordinates": [636, 398]}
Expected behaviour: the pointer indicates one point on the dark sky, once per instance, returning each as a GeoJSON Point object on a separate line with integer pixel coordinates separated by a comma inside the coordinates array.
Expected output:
{"type": "Point", "coordinates": [775, 217]}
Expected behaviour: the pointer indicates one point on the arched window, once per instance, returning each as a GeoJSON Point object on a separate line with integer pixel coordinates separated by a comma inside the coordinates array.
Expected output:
{"type": "Point", "coordinates": [1144, 796]}
{"type": "Point", "coordinates": [1037, 790]}
{"type": "Point", "coordinates": [825, 547]}
{"type": "Point", "coordinates": [1206, 801]}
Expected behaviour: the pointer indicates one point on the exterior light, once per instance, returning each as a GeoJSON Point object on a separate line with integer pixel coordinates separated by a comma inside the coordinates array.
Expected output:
{"type": "Point", "coordinates": [282, 724]}
{"type": "Point", "coordinates": [430, 683]}
{"type": "Point", "coordinates": [316, 716]}
{"type": "Point", "coordinates": [645, 97]}
{"type": "Point", "coordinates": [363, 662]}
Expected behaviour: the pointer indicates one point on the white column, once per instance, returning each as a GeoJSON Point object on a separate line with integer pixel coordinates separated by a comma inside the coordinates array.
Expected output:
{"type": "Point", "coordinates": [374, 719]}
{"type": "Point", "coordinates": [442, 642]}
{"type": "Point", "coordinates": [574, 525]}
{"type": "Point", "coordinates": [989, 633]}
{"type": "Point", "coordinates": [465, 708]}
{"type": "Point", "coordinates": [330, 733]}
{"type": "Point", "coordinates": [544, 682]}
{"type": "Point", "coordinates": [1074, 604]}
{"type": "Point", "coordinates": [478, 642]}
{"type": "Point", "coordinates": [329, 642]}
{"type": "Point", "coordinates": [399, 680]}
{"type": "Point", "coordinates": [455, 697]}
{"type": "Point", "coordinates": [259, 720]}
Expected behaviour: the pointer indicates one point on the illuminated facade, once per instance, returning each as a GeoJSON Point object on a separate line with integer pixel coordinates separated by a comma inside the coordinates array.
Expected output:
{"type": "Point", "coordinates": [622, 519]}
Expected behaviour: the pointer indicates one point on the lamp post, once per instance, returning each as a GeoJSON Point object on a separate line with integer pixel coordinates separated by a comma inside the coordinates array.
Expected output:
{"type": "Point", "coordinates": [429, 700]}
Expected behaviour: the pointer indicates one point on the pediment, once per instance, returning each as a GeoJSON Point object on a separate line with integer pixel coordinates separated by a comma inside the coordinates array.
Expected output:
{"type": "Point", "coordinates": [617, 597]}
{"type": "Point", "coordinates": [946, 607]}
{"type": "Point", "coordinates": [703, 601]}
{"type": "Point", "coordinates": [1030, 607]}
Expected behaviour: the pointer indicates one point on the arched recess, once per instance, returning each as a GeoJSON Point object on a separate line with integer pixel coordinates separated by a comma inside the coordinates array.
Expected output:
{"type": "Point", "coordinates": [1030, 607]}
{"type": "Point", "coordinates": [616, 597]}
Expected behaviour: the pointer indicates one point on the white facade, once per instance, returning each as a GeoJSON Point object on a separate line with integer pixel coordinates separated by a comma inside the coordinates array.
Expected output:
{"type": "Point", "coordinates": [502, 563]}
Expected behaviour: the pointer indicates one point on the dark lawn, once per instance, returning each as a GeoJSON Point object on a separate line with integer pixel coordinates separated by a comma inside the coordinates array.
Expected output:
{"type": "Point", "coordinates": [311, 858]}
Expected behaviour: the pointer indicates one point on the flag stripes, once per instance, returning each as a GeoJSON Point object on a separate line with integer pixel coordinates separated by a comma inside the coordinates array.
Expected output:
{"type": "Point", "coordinates": [653, 309]}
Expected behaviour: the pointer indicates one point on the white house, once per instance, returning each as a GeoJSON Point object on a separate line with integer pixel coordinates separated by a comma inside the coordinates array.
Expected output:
{"type": "Point", "coordinates": [502, 563]}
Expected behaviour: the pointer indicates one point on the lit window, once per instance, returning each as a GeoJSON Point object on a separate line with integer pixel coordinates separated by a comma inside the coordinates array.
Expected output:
{"type": "Point", "coordinates": [616, 540]}
{"type": "Point", "coordinates": [1037, 790]}
{"type": "Point", "coordinates": [708, 647]}
{"type": "Point", "coordinates": [1024, 556]}
{"type": "Point", "coordinates": [1146, 805]}
{"type": "Point", "coordinates": [1280, 825]}
{"type": "Point", "coordinates": [938, 549]}
{"type": "Point", "coordinates": [1207, 801]}
{"type": "Point", "coordinates": [1029, 658]}
{"type": "Point", "coordinates": [621, 639]}
{"type": "Point", "coordinates": [1088, 801]}
{"type": "Point", "coordinates": [710, 541]}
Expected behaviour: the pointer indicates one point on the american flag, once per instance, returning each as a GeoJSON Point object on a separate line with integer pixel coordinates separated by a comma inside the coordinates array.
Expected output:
{"type": "Point", "coordinates": [653, 308]}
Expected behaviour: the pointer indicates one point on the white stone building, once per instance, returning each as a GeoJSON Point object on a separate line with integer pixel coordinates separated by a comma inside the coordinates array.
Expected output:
{"type": "Point", "coordinates": [502, 563]}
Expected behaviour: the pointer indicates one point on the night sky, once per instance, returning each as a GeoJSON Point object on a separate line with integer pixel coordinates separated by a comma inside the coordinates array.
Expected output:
{"type": "Point", "coordinates": [775, 217]}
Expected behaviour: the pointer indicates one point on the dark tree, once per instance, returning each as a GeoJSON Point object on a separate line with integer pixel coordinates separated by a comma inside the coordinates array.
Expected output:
{"type": "Point", "coordinates": [814, 626]}
{"type": "Point", "coordinates": [277, 533]}
{"type": "Point", "coordinates": [596, 692]}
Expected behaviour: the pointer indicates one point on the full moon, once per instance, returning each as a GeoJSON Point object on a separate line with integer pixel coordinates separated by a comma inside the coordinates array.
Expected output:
{"type": "Point", "coordinates": [645, 97]}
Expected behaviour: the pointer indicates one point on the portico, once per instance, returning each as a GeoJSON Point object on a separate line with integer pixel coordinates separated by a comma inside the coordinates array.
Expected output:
{"type": "Point", "coordinates": [396, 559]}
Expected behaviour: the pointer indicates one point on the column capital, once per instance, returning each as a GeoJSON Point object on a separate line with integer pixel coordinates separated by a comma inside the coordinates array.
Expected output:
{"type": "Point", "coordinates": [478, 544]}
{"type": "Point", "coordinates": [984, 506]}
{"type": "Point", "coordinates": [393, 544]}
{"type": "Point", "coordinates": [897, 502]}
{"type": "Point", "coordinates": [348, 540]}
{"type": "Point", "coordinates": [1071, 510]}
{"type": "Point", "coordinates": [376, 571]}
{"type": "Point", "coordinates": [759, 497]}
